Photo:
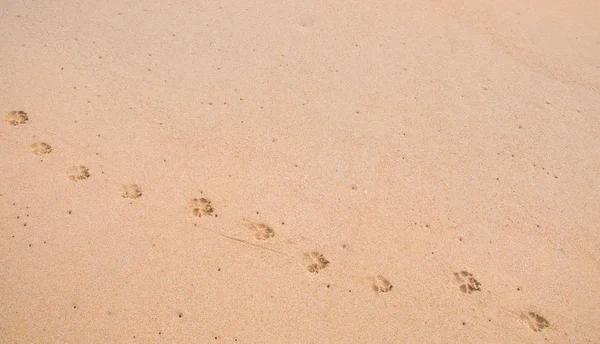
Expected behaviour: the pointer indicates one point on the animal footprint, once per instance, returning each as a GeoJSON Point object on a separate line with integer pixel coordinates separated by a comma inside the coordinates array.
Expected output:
{"type": "Point", "coordinates": [467, 283]}
{"type": "Point", "coordinates": [380, 284]}
{"type": "Point", "coordinates": [39, 148]}
{"type": "Point", "coordinates": [314, 262]}
{"type": "Point", "coordinates": [78, 173]}
{"type": "Point", "coordinates": [535, 321]}
{"type": "Point", "coordinates": [200, 207]}
{"type": "Point", "coordinates": [132, 191]}
{"type": "Point", "coordinates": [16, 117]}
{"type": "Point", "coordinates": [259, 231]}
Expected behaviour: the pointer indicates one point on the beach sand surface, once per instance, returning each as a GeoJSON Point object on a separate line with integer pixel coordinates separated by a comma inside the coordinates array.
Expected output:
{"type": "Point", "coordinates": [300, 172]}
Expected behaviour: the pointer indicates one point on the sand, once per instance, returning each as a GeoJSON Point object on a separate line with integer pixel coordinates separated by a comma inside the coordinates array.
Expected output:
{"type": "Point", "coordinates": [299, 172]}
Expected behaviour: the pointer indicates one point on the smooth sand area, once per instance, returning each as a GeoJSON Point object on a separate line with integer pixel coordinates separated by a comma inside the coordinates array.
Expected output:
{"type": "Point", "coordinates": [300, 172]}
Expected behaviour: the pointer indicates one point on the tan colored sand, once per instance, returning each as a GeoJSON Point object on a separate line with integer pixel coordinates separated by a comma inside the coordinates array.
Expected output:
{"type": "Point", "coordinates": [390, 172]}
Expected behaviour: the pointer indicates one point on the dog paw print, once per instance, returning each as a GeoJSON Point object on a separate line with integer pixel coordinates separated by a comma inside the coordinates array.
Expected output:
{"type": "Point", "coordinates": [535, 321]}
{"type": "Point", "coordinates": [258, 230]}
{"type": "Point", "coordinates": [132, 191]}
{"type": "Point", "coordinates": [314, 262]}
{"type": "Point", "coordinates": [466, 282]}
{"type": "Point", "coordinates": [39, 148]}
{"type": "Point", "coordinates": [76, 173]}
{"type": "Point", "coordinates": [380, 284]}
{"type": "Point", "coordinates": [199, 207]}
{"type": "Point", "coordinates": [16, 117]}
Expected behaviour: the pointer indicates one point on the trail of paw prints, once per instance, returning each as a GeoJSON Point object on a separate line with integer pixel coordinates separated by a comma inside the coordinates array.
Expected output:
{"type": "Point", "coordinates": [132, 191]}
{"type": "Point", "coordinates": [466, 282]}
{"type": "Point", "coordinates": [258, 230]}
{"type": "Point", "coordinates": [76, 173]}
{"type": "Point", "coordinates": [15, 118]}
{"type": "Point", "coordinates": [535, 321]}
{"type": "Point", "coordinates": [199, 207]}
{"type": "Point", "coordinates": [314, 262]}
{"type": "Point", "coordinates": [39, 148]}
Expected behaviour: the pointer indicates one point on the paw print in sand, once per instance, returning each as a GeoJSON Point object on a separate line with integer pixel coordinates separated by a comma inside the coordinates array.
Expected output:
{"type": "Point", "coordinates": [258, 230]}
{"type": "Point", "coordinates": [535, 321]}
{"type": "Point", "coordinates": [76, 173]}
{"type": "Point", "coordinates": [132, 191]}
{"type": "Point", "coordinates": [16, 117]}
{"type": "Point", "coordinates": [199, 207]}
{"type": "Point", "coordinates": [39, 148]}
{"type": "Point", "coordinates": [380, 284]}
{"type": "Point", "coordinates": [466, 282]}
{"type": "Point", "coordinates": [314, 261]}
